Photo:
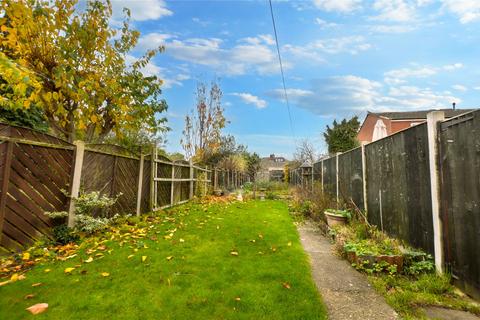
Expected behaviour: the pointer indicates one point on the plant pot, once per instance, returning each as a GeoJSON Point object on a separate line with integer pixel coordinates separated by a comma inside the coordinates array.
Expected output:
{"type": "Point", "coordinates": [351, 256]}
{"type": "Point", "coordinates": [392, 260]}
{"type": "Point", "coordinates": [333, 219]}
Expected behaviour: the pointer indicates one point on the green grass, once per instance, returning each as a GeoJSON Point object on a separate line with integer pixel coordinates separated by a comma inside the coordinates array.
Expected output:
{"type": "Point", "coordinates": [408, 295]}
{"type": "Point", "coordinates": [203, 280]}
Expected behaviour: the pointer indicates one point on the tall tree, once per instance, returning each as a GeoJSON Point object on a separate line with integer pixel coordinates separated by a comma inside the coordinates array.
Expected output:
{"type": "Point", "coordinates": [228, 146]}
{"type": "Point", "coordinates": [342, 136]}
{"type": "Point", "coordinates": [72, 65]}
{"type": "Point", "coordinates": [203, 127]}
{"type": "Point", "coordinates": [305, 151]}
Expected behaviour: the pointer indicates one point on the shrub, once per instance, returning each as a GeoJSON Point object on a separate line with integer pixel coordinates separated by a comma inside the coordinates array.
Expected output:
{"type": "Point", "coordinates": [64, 235]}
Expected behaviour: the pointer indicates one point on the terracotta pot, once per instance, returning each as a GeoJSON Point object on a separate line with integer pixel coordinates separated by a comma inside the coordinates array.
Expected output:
{"type": "Point", "coordinates": [333, 219]}
{"type": "Point", "coordinates": [351, 256]}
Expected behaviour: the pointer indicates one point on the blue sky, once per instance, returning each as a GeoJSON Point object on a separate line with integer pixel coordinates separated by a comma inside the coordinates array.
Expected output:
{"type": "Point", "coordinates": [341, 57]}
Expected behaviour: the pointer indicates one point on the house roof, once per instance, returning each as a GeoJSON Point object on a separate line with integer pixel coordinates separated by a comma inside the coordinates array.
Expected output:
{"type": "Point", "coordinates": [410, 115]}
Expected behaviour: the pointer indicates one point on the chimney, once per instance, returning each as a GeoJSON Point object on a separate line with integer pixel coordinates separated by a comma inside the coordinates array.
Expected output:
{"type": "Point", "coordinates": [453, 104]}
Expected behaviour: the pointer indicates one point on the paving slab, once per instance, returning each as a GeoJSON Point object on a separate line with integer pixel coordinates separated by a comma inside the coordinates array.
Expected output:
{"type": "Point", "coordinates": [346, 292]}
{"type": "Point", "coordinates": [448, 314]}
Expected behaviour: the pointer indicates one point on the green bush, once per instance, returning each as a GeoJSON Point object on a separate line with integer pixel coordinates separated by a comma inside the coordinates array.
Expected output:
{"type": "Point", "coordinates": [64, 235]}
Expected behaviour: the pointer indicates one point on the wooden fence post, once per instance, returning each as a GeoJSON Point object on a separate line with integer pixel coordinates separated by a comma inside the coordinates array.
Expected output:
{"type": "Point", "coordinates": [76, 178]}
{"type": "Point", "coordinates": [140, 184]}
{"type": "Point", "coordinates": [433, 118]}
{"type": "Point", "coordinates": [6, 179]}
{"type": "Point", "coordinates": [191, 180]}
{"type": "Point", "coordinates": [215, 180]}
{"type": "Point", "coordinates": [364, 179]}
{"type": "Point", "coordinates": [172, 194]}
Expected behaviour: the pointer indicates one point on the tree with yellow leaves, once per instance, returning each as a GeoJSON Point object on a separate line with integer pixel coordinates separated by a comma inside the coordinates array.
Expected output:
{"type": "Point", "coordinates": [72, 65]}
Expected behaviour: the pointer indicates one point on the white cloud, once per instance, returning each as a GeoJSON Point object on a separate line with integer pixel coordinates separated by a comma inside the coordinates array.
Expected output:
{"type": "Point", "coordinates": [466, 10]}
{"type": "Point", "coordinates": [253, 54]}
{"type": "Point", "coordinates": [251, 99]}
{"type": "Point", "coordinates": [476, 88]}
{"type": "Point", "coordinates": [394, 10]}
{"type": "Point", "coordinates": [451, 67]}
{"type": "Point", "coordinates": [352, 94]}
{"type": "Point", "coordinates": [325, 24]}
{"type": "Point", "coordinates": [459, 87]}
{"type": "Point", "coordinates": [316, 50]}
{"type": "Point", "coordinates": [399, 28]}
{"type": "Point", "coordinates": [141, 10]}
{"type": "Point", "coordinates": [397, 76]}
{"type": "Point", "coordinates": [169, 78]}
{"type": "Point", "coordinates": [343, 6]}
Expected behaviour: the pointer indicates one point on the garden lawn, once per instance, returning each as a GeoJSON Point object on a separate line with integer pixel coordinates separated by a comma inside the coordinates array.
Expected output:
{"type": "Point", "coordinates": [200, 261]}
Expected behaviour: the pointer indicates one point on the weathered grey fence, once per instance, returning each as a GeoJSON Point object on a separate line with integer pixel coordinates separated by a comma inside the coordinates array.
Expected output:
{"type": "Point", "coordinates": [37, 170]}
{"type": "Point", "coordinates": [421, 185]}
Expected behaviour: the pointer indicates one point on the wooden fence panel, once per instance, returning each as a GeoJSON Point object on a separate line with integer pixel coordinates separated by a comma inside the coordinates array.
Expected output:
{"type": "Point", "coordinates": [33, 184]}
{"type": "Point", "coordinates": [330, 176]}
{"type": "Point", "coordinates": [350, 177]}
{"type": "Point", "coordinates": [460, 192]}
{"type": "Point", "coordinates": [398, 186]}
{"type": "Point", "coordinates": [126, 183]}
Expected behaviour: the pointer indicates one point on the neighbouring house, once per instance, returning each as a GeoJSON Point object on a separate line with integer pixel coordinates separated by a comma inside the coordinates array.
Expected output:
{"type": "Point", "coordinates": [378, 125]}
{"type": "Point", "coordinates": [272, 168]}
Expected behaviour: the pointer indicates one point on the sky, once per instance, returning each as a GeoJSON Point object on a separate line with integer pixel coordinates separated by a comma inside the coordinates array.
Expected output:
{"type": "Point", "coordinates": [341, 58]}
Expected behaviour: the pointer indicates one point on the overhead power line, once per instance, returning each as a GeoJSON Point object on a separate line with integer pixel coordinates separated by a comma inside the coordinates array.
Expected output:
{"type": "Point", "coordinates": [281, 70]}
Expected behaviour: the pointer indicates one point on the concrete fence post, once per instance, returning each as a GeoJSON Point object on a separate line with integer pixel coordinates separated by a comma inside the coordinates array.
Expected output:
{"type": "Point", "coordinates": [322, 176]}
{"type": "Point", "coordinates": [140, 184]}
{"type": "Point", "coordinates": [364, 179]}
{"type": "Point", "coordinates": [190, 194]}
{"type": "Point", "coordinates": [205, 181]}
{"type": "Point", "coordinates": [172, 188]}
{"type": "Point", "coordinates": [336, 176]}
{"type": "Point", "coordinates": [153, 175]}
{"type": "Point", "coordinates": [433, 118]}
{"type": "Point", "coordinates": [76, 178]}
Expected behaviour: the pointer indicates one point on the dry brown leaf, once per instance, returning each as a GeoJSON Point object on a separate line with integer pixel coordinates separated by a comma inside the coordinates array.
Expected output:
{"type": "Point", "coordinates": [286, 285]}
{"type": "Point", "coordinates": [29, 296]}
{"type": "Point", "coordinates": [234, 253]}
{"type": "Point", "coordinates": [38, 284]}
{"type": "Point", "coordinates": [38, 308]}
{"type": "Point", "coordinates": [90, 259]}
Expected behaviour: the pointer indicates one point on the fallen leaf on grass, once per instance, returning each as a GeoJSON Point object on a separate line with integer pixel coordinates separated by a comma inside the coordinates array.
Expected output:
{"type": "Point", "coordinates": [38, 308]}
{"type": "Point", "coordinates": [47, 270]}
{"type": "Point", "coordinates": [181, 240]}
{"type": "Point", "coordinates": [105, 274]}
{"type": "Point", "coordinates": [29, 296]}
{"type": "Point", "coordinates": [38, 284]}
{"type": "Point", "coordinates": [286, 285]}
{"type": "Point", "coordinates": [260, 236]}
{"type": "Point", "coordinates": [289, 244]}
{"type": "Point", "coordinates": [237, 299]}
{"type": "Point", "coordinates": [234, 253]}
{"type": "Point", "coordinates": [144, 258]}
{"type": "Point", "coordinates": [89, 260]}
{"type": "Point", "coordinates": [131, 256]}
{"type": "Point", "coordinates": [4, 283]}
{"type": "Point", "coordinates": [68, 270]}
{"type": "Point", "coordinates": [26, 256]}
{"type": "Point", "coordinates": [169, 258]}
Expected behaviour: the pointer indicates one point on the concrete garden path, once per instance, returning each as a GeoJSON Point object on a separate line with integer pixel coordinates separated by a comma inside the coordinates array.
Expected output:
{"type": "Point", "coordinates": [346, 292]}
